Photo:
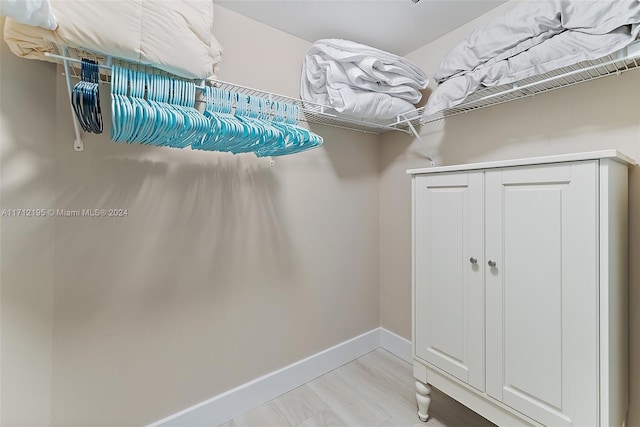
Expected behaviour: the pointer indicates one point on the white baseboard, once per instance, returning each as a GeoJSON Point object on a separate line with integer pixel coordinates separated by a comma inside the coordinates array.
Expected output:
{"type": "Point", "coordinates": [397, 345]}
{"type": "Point", "coordinates": [234, 402]}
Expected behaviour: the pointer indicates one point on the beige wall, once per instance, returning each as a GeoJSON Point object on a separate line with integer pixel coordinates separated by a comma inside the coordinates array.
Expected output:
{"type": "Point", "coordinates": [595, 115]}
{"type": "Point", "coordinates": [225, 269]}
{"type": "Point", "coordinates": [27, 140]}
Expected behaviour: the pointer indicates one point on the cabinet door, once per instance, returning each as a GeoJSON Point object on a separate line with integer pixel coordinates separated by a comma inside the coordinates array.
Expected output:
{"type": "Point", "coordinates": [449, 288]}
{"type": "Point", "coordinates": [542, 317]}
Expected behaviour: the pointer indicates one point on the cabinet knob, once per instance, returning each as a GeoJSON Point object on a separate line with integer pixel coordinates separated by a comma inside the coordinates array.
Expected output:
{"type": "Point", "coordinates": [492, 263]}
{"type": "Point", "coordinates": [473, 260]}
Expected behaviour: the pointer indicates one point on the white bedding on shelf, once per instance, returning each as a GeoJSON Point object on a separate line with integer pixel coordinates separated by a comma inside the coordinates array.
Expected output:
{"type": "Point", "coordinates": [175, 36]}
{"type": "Point", "coordinates": [531, 39]}
{"type": "Point", "coordinates": [360, 81]}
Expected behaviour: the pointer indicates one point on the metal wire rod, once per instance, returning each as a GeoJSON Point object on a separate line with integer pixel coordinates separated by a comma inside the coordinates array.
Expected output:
{"type": "Point", "coordinates": [66, 59]}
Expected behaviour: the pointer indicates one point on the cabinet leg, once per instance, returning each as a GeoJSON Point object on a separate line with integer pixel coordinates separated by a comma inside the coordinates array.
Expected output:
{"type": "Point", "coordinates": [422, 396]}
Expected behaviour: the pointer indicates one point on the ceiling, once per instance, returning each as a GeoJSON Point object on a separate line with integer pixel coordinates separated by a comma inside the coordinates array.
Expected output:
{"type": "Point", "coordinates": [397, 26]}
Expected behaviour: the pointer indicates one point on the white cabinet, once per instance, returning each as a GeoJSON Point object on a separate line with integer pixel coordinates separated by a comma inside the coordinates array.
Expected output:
{"type": "Point", "coordinates": [520, 284]}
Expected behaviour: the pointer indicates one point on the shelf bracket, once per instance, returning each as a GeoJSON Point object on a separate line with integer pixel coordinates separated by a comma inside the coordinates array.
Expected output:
{"type": "Point", "coordinates": [419, 138]}
{"type": "Point", "coordinates": [78, 144]}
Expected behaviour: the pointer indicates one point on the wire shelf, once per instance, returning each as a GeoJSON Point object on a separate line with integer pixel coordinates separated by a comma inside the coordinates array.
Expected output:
{"type": "Point", "coordinates": [308, 111]}
{"type": "Point", "coordinates": [617, 63]}
{"type": "Point", "coordinates": [614, 64]}
{"type": "Point", "coordinates": [316, 113]}
{"type": "Point", "coordinates": [77, 54]}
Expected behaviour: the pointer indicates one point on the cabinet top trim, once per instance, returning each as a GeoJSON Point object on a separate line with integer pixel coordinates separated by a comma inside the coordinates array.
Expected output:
{"type": "Point", "coordinates": [591, 155]}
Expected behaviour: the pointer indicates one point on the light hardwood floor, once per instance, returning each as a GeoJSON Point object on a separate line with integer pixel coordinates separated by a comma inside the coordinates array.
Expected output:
{"type": "Point", "coordinates": [375, 390]}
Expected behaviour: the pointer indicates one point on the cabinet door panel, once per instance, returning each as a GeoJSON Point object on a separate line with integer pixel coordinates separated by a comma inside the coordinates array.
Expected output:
{"type": "Point", "coordinates": [449, 289]}
{"type": "Point", "coordinates": [541, 230]}
{"type": "Point", "coordinates": [533, 219]}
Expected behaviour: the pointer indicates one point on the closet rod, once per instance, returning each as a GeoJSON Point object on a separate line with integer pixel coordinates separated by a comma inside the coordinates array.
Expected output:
{"type": "Point", "coordinates": [104, 67]}
{"type": "Point", "coordinates": [74, 60]}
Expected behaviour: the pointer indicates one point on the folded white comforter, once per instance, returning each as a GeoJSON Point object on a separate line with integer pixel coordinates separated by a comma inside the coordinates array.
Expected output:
{"type": "Point", "coordinates": [360, 81]}
{"type": "Point", "coordinates": [534, 38]}
{"type": "Point", "coordinates": [172, 35]}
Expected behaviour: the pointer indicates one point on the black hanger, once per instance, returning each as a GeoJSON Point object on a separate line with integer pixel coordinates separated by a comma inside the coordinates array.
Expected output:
{"type": "Point", "coordinates": [85, 97]}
